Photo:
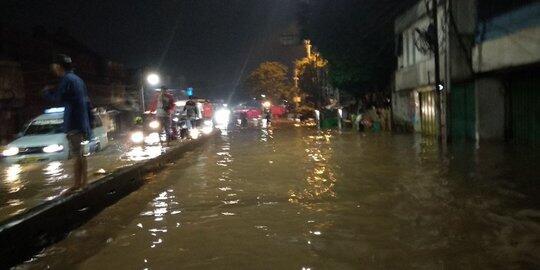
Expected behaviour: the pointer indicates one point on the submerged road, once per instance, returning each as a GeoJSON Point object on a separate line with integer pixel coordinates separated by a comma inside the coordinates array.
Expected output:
{"type": "Point", "coordinates": [298, 198]}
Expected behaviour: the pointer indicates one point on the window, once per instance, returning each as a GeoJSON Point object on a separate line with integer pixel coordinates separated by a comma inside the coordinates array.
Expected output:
{"type": "Point", "coordinates": [413, 48]}
{"type": "Point", "coordinates": [406, 49]}
{"type": "Point", "coordinates": [399, 45]}
{"type": "Point", "coordinates": [44, 127]}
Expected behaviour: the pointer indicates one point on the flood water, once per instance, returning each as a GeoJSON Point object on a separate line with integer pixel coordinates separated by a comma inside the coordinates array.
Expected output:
{"type": "Point", "coordinates": [298, 198]}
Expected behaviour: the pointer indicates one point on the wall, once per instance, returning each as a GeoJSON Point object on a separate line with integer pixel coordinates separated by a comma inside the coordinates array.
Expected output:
{"type": "Point", "coordinates": [416, 69]}
{"type": "Point", "coordinates": [490, 95]}
{"type": "Point", "coordinates": [401, 111]}
{"type": "Point", "coordinates": [516, 49]}
{"type": "Point", "coordinates": [508, 40]}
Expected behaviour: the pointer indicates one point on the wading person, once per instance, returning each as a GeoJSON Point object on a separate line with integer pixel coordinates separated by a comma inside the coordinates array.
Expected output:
{"type": "Point", "coordinates": [72, 94]}
{"type": "Point", "coordinates": [163, 106]}
{"type": "Point", "coordinates": [191, 112]}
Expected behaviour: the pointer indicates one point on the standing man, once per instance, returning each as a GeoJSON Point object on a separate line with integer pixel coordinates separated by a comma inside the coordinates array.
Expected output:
{"type": "Point", "coordinates": [191, 112]}
{"type": "Point", "coordinates": [163, 106]}
{"type": "Point", "coordinates": [72, 94]}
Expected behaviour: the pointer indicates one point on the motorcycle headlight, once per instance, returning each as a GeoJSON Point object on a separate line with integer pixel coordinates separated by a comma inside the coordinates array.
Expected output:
{"type": "Point", "coordinates": [152, 138]}
{"type": "Point", "coordinates": [222, 116]}
{"type": "Point", "coordinates": [53, 148]}
{"type": "Point", "coordinates": [154, 124]}
{"type": "Point", "coordinates": [137, 137]}
{"type": "Point", "coordinates": [11, 151]}
{"type": "Point", "coordinates": [194, 133]}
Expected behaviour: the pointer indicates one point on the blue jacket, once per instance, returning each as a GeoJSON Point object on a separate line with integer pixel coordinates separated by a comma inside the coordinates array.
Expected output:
{"type": "Point", "coordinates": [72, 94]}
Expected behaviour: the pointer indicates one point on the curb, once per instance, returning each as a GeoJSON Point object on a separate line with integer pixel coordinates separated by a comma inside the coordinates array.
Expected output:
{"type": "Point", "coordinates": [25, 234]}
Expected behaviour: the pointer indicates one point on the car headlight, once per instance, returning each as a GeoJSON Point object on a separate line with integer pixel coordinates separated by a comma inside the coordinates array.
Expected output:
{"type": "Point", "coordinates": [53, 148]}
{"type": "Point", "coordinates": [11, 151]}
{"type": "Point", "coordinates": [137, 137]}
{"type": "Point", "coordinates": [154, 124]}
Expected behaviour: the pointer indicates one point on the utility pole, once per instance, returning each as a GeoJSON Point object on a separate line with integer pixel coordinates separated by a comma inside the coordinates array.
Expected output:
{"type": "Point", "coordinates": [438, 85]}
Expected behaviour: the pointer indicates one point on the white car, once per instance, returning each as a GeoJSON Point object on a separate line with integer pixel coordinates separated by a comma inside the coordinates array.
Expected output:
{"type": "Point", "coordinates": [44, 140]}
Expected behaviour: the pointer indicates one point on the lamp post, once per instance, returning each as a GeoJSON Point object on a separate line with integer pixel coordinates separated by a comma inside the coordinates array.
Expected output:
{"type": "Point", "coordinates": [152, 79]}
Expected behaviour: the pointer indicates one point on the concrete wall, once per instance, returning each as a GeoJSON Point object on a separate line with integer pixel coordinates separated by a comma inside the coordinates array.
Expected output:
{"type": "Point", "coordinates": [490, 109]}
{"type": "Point", "coordinates": [508, 40]}
{"type": "Point", "coordinates": [516, 49]}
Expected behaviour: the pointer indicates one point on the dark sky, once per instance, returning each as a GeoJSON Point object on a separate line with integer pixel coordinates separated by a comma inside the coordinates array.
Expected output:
{"type": "Point", "coordinates": [207, 41]}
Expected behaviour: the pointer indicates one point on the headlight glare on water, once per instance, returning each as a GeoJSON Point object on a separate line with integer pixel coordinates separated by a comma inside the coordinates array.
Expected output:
{"type": "Point", "coordinates": [154, 124]}
{"type": "Point", "coordinates": [137, 137]}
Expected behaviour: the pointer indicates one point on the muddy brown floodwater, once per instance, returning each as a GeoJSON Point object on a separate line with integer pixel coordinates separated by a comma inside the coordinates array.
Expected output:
{"type": "Point", "coordinates": [298, 198]}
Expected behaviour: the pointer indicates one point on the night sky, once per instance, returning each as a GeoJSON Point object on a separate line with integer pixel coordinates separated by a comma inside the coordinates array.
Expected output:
{"type": "Point", "coordinates": [209, 42]}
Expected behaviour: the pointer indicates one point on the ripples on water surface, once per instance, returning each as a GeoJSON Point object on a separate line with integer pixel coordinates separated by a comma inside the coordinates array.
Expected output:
{"type": "Point", "coordinates": [295, 198]}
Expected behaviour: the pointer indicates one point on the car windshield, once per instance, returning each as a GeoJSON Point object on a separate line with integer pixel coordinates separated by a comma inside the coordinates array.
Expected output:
{"type": "Point", "coordinates": [42, 127]}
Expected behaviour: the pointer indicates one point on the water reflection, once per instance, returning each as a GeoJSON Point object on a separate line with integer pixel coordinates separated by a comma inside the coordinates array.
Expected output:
{"type": "Point", "coordinates": [328, 201]}
{"type": "Point", "coordinates": [140, 153]}
{"type": "Point", "coordinates": [13, 179]}
{"type": "Point", "coordinates": [320, 178]}
{"type": "Point", "coordinates": [54, 172]}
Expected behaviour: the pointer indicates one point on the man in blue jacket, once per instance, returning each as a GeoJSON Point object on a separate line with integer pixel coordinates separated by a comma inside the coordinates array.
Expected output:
{"type": "Point", "coordinates": [71, 93]}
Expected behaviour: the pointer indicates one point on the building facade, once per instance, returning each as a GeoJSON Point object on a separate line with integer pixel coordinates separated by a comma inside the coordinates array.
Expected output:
{"type": "Point", "coordinates": [487, 49]}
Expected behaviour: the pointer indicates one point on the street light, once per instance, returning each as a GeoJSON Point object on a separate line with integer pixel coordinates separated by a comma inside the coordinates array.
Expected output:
{"type": "Point", "coordinates": [152, 79]}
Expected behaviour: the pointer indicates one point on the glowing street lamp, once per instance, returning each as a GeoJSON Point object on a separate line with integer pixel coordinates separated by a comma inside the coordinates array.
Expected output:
{"type": "Point", "coordinates": [152, 79]}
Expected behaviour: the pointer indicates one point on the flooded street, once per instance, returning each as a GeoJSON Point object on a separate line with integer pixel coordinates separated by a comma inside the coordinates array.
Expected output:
{"type": "Point", "coordinates": [24, 186]}
{"type": "Point", "coordinates": [298, 198]}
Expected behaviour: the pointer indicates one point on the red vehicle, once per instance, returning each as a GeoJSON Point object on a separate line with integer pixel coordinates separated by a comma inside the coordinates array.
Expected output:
{"type": "Point", "coordinates": [278, 111]}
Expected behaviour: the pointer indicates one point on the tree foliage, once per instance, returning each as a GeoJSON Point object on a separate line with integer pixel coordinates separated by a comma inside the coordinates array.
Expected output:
{"type": "Point", "coordinates": [271, 79]}
{"type": "Point", "coordinates": [312, 75]}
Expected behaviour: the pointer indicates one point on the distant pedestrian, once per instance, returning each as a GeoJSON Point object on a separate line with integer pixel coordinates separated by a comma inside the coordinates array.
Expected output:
{"type": "Point", "coordinates": [208, 110]}
{"type": "Point", "coordinates": [192, 113]}
{"type": "Point", "coordinates": [72, 94]}
{"type": "Point", "coordinates": [163, 106]}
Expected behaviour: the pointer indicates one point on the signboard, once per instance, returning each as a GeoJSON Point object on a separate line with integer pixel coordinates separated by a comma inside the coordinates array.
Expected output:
{"type": "Point", "coordinates": [189, 91]}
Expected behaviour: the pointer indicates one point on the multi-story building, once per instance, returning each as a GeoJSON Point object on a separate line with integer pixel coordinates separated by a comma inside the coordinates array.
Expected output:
{"type": "Point", "coordinates": [488, 50]}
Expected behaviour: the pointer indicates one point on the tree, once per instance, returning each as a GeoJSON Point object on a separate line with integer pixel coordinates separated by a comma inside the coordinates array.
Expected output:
{"type": "Point", "coordinates": [357, 39]}
{"type": "Point", "coordinates": [270, 79]}
{"type": "Point", "coordinates": [311, 72]}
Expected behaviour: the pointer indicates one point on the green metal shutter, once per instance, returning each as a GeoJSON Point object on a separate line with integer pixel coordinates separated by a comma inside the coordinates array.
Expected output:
{"type": "Point", "coordinates": [525, 111]}
{"type": "Point", "coordinates": [462, 112]}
